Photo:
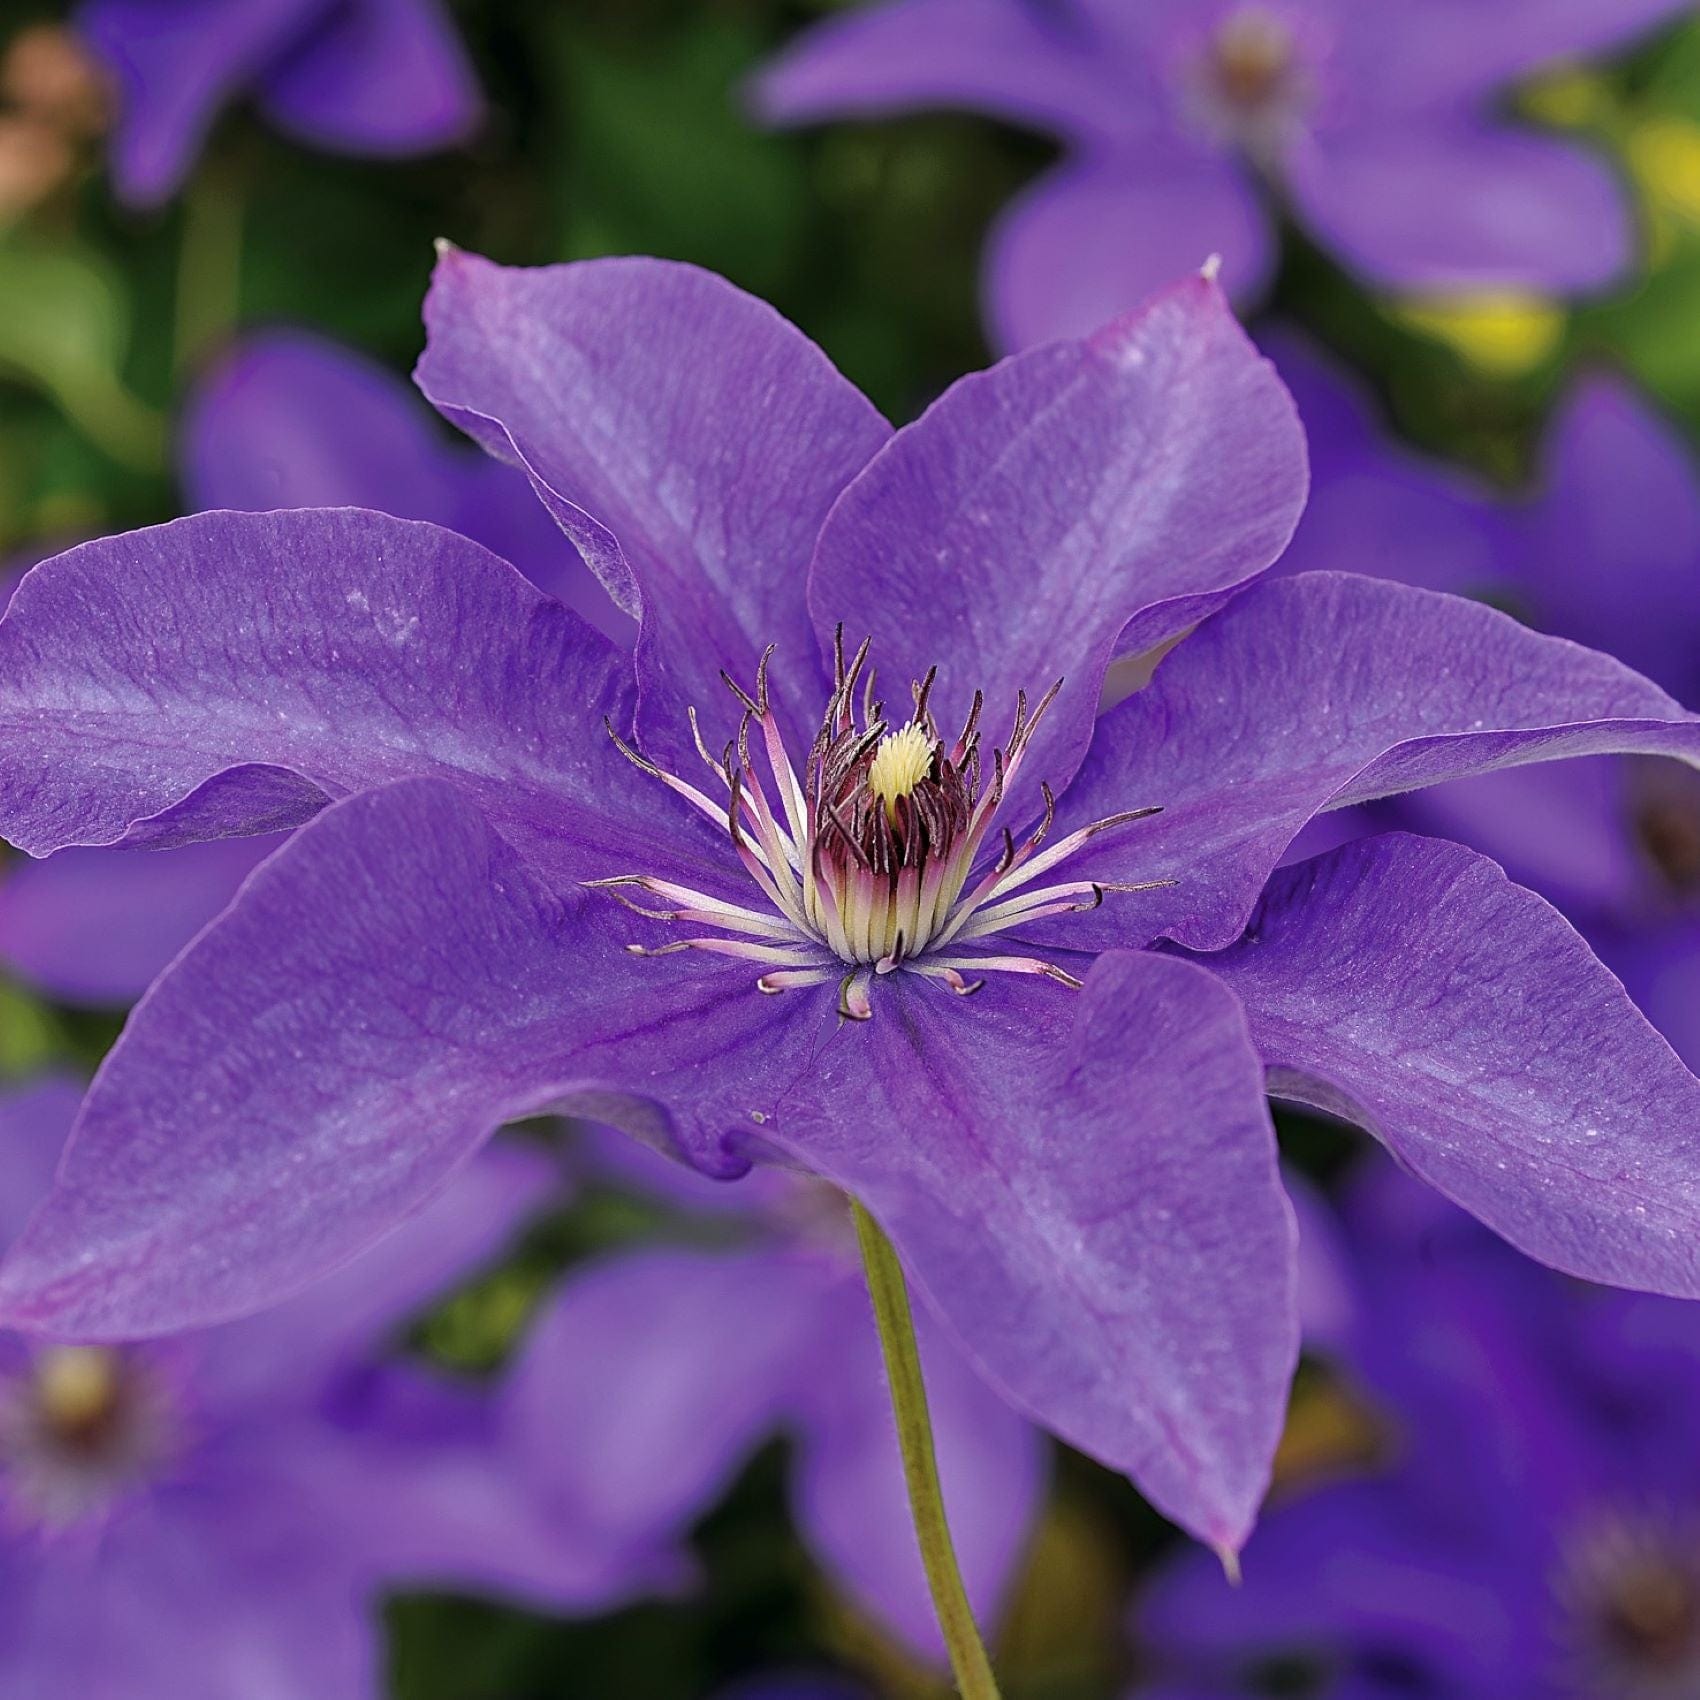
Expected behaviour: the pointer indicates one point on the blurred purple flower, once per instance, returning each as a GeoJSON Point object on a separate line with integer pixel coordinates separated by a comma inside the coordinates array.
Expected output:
{"type": "Point", "coordinates": [421, 961]}
{"type": "Point", "coordinates": [286, 420]}
{"type": "Point", "coordinates": [1539, 1533]}
{"type": "Point", "coordinates": [371, 77]}
{"type": "Point", "coordinates": [704, 1354]}
{"type": "Point", "coordinates": [218, 1514]}
{"type": "Point", "coordinates": [1378, 124]}
{"type": "Point", "coordinates": [1606, 551]}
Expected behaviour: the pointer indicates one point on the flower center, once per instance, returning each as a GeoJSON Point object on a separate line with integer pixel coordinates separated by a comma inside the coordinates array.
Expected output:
{"type": "Point", "coordinates": [80, 1425]}
{"type": "Point", "coordinates": [80, 1392]}
{"type": "Point", "coordinates": [1666, 816]}
{"type": "Point", "coordinates": [1632, 1598]}
{"type": "Point", "coordinates": [884, 856]}
{"type": "Point", "coordinates": [1653, 1618]}
{"type": "Point", "coordinates": [1249, 85]}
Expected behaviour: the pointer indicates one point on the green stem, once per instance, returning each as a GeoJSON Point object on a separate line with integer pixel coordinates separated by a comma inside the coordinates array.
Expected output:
{"type": "Point", "coordinates": [968, 1661]}
{"type": "Point", "coordinates": [209, 264]}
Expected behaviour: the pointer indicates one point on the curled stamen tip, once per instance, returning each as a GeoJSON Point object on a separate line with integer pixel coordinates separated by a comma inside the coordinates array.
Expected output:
{"type": "Point", "coordinates": [853, 1001]}
{"type": "Point", "coordinates": [765, 984]}
{"type": "Point", "coordinates": [965, 988]}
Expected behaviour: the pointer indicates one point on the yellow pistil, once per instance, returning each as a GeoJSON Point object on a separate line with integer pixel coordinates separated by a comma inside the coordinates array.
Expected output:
{"type": "Point", "coordinates": [76, 1386]}
{"type": "Point", "coordinates": [901, 762]}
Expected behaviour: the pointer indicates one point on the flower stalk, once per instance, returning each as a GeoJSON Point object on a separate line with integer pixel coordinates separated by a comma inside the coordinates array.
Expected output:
{"type": "Point", "coordinates": [968, 1661]}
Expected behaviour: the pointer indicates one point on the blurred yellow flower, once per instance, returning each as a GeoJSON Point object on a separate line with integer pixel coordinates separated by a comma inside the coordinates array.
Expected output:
{"type": "Point", "coordinates": [1664, 159]}
{"type": "Point", "coordinates": [1502, 334]}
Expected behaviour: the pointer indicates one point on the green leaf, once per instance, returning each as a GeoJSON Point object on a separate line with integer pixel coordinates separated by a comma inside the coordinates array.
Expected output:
{"type": "Point", "coordinates": [64, 328]}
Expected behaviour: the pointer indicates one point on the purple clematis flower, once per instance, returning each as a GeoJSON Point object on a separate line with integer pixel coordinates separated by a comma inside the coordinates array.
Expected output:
{"type": "Point", "coordinates": [219, 1514]}
{"type": "Point", "coordinates": [1606, 549]}
{"type": "Point", "coordinates": [370, 77]}
{"type": "Point", "coordinates": [1077, 1165]}
{"type": "Point", "coordinates": [1378, 125]}
{"type": "Point", "coordinates": [704, 1354]}
{"type": "Point", "coordinates": [1537, 1534]}
{"type": "Point", "coordinates": [285, 420]}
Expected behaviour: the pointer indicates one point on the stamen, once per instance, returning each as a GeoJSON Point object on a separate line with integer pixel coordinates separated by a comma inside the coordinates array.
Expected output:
{"type": "Point", "coordinates": [873, 856]}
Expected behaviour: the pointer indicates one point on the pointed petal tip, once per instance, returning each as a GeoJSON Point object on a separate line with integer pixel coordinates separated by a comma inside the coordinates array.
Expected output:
{"type": "Point", "coordinates": [1229, 1558]}
{"type": "Point", "coordinates": [1211, 270]}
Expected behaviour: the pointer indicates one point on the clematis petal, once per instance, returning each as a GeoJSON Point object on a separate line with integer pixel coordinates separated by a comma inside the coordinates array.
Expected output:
{"type": "Point", "coordinates": [465, 1228]}
{"type": "Point", "coordinates": [1086, 1191]}
{"type": "Point", "coordinates": [850, 1501]}
{"type": "Point", "coordinates": [1559, 828]}
{"type": "Point", "coordinates": [292, 420]}
{"type": "Point", "coordinates": [1242, 744]}
{"type": "Point", "coordinates": [1470, 207]}
{"type": "Point", "coordinates": [1028, 63]}
{"type": "Point", "coordinates": [94, 927]}
{"type": "Point", "coordinates": [177, 63]}
{"type": "Point", "coordinates": [376, 77]}
{"type": "Point", "coordinates": [1094, 238]}
{"type": "Point", "coordinates": [1375, 507]}
{"type": "Point", "coordinates": [442, 1501]}
{"type": "Point", "coordinates": [394, 982]}
{"type": "Point", "coordinates": [1662, 974]}
{"type": "Point", "coordinates": [1336, 1570]}
{"type": "Point", "coordinates": [228, 673]}
{"type": "Point", "coordinates": [1415, 57]}
{"type": "Point", "coordinates": [687, 439]}
{"type": "Point", "coordinates": [35, 1121]}
{"type": "Point", "coordinates": [1406, 984]}
{"type": "Point", "coordinates": [386, 989]}
{"type": "Point", "coordinates": [1619, 485]}
{"type": "Point", "coordinates": [298, 1624]}
{"type": "Point", "coordinates": [1072, 500]}
{"type": "Point", "coordinates": [652, 1376]}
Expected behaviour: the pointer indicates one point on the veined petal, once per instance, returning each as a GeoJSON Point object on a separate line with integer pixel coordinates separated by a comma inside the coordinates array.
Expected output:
{"type": "Point", "coordinates": [385, 990]}
{"type": "Point", "coordinates": [229, 673]}
{"type": "Point", "coordinates": [1406, 984]}
{"type": "Point", "coordinates": [355, 1315]}
{"type": "Point", "coordinates": [292, 420]}
{"type": "Point", "coordinates": [1085, 1188]}
{"type": "Point", "coordinates": [1313, 693]}
{"type": "Point", "coordinates": [1077, 500]}
{"type": "Point", "coordinates": [395, 982]}
{"type": "Point", "coordinates": [686, 438]}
